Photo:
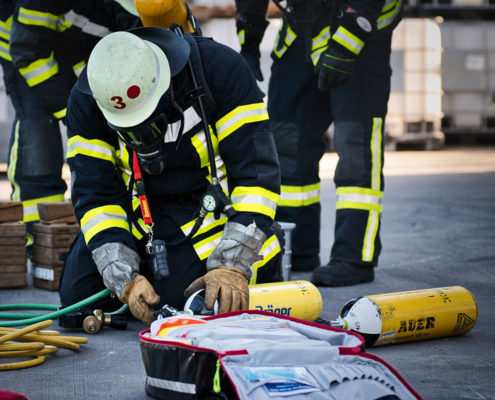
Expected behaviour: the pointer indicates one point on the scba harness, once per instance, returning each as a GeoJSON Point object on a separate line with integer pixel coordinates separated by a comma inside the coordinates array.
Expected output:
{"type": "Point", "coordinates": [214, 200]}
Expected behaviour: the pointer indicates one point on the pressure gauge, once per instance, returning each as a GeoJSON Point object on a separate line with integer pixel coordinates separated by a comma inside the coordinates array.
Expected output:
{"type": "Point", "coordinates": [209, 202]}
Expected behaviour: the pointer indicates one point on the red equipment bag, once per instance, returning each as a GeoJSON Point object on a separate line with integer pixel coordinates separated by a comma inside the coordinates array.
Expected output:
{"type": "Point", "coordinates": [262, 356]}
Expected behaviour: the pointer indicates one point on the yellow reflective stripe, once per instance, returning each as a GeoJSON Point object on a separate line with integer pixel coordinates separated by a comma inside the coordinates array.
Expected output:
{"type": "Point", "coordinates": [386, 19]}
{"type": "Point", "coordinates": [92, 148]}
{"type": "Point", "coordinates": [205, 247]}
{"type": "Point", "coordinates": [319, 44]}
{"type": "Point", "coordinates": [38, 18]}
{"type": "Point", "coordinates": [209, 223]}
{"type": "Point", "coordinates": [5, 27]}
{"type": "Point", "coordinates": [315, 56]}
{"type": "Point", "coordinates": [199, 143]}
{"type": "Point", "coordinates": [360, 191]}
{"type": "Point", "coordinates": [347, 39]}
{"type": "Point", "coordinates": [135, 232]}
{"type": "Point", "coordinates": [29, 239]}
{"type": "Point", "coordinates": [270, 249]}
{"type": "Point", "coordinates": [370, 236]}
{"type": "Point", "coordinates": [241, 35]}
{"type": "Point", "coordinates": [5, 51]}
{"type": "Point", "coordinates": [40, 70]}
{"type": "Point", "coordinates": [100, 218]}
{"type": "Point", "coordinates": [359, 198]}
{"type": "Point", "coordinates": [16, 192]}
{"type": "Point", "coordinates": [388, 5]}
{"type": "Point", "coordinates": [376, 153]}
{"type": "Point", "coordinates": [321, 40]}
{"type": "Point", "coordinates": [60, 114]}
{"type": "Point", "coordinates": [299, 196]}
{"type": "Point", "coordinates": [238, 117]}
{"type": "Point", "coordinates": [254, 199]}
{"type": "Point", "coordinates": [123, 157]}
{"type": "Point", "coordinates": [30, 207]}
{"type": "Point", "coordinates": [77, 68]}
{"type": "Point", "coordinates": [289, 39]}
{"type": "Point", "coordinates": [82, 22]}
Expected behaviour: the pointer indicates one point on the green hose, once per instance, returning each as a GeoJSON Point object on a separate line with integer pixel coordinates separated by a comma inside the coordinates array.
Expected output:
{"type": "Point", "coordinates": [18, 316]}
{"type": "Point", "coordinates": [56, 314]}
{"type": "Point", "coordinates": [52, 307]}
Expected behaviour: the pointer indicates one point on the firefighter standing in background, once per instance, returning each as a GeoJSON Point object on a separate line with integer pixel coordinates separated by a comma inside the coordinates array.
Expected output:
{"type": "Point", "coordinates": [331, 63]}
{"type": "Point", "coordinates": [50, 42]}
{"type": "Point", "coordinates": [141, 169]}
{"type": "Point", "coordinates": [31, 118]}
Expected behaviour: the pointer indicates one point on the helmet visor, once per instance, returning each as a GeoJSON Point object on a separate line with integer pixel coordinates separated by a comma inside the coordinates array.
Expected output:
{"type": "Point", "coordinates": [149, 133]}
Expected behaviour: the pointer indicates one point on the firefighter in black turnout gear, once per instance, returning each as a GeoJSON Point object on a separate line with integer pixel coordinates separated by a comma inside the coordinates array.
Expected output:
{"type": "Point", "coordinates": [48, 43]}
{"type": "Point", "coordinates": [168, 204]}
{"type": "Point", "coordinates": [331, 64]}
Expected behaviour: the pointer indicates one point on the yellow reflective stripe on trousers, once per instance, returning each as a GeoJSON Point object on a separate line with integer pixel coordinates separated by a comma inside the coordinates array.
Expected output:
{"type": "Point", "coordinates": [376, 169]}
{"type": "Point", "coordinates": [270, 249]}
{"type": "Point", "coordinates": [376, 153]}
{"type": "Point", "coordinates": [16, 190]}
{"type": "Point", "coordinates": [100, 218]}
{"type": "Point", "coordinates": [30, 207]}
{"type": "Point", "coordinates": [40, 70]}
{"type": "Point", "coordinates": [347, 39]}
{"type": "Point", "coordinates": [359, 198]}
{"type": "Point", "coordinates": [5, 51]}
{"type": "Point", "coordinates": [92, 148]}
{"type": "Point", "coordinates": [254, 199]}
{"type": "Point", "coordinates": [370, 236]}
{"type": "Point", "coordinates": [299, 196]}
{"type": "Point", "coordinates": [205, 247]}
{"type": "Point", "coordinates": [38, 18]}
{"type": "Point", "coordinates": [387, 16]}
{"type": "Point", "coordinates": [289, 39]}
{"type": "Point", "coordinates": [238, 117]}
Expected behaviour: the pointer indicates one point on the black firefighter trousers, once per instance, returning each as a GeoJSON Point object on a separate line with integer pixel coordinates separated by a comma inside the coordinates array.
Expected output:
{"type": "Point", "coordinates": [300, 116]}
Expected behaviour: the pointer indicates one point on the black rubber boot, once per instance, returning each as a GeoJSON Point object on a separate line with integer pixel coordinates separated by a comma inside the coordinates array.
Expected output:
{"type": "Point", "coordinates": [304, 263]}
{"type": "Point", "coordinates": [341, 273]}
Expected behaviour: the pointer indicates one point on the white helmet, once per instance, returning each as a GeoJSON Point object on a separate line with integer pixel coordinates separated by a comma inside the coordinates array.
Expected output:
{"type": "Point", "coordinates": [127, 76]}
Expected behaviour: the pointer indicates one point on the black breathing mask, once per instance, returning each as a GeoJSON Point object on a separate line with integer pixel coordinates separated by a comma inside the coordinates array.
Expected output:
{"type": "Point", "coordinates": [147, 138]}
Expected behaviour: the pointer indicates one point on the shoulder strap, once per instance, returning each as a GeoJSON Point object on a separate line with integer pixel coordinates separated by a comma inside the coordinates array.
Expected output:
{"type": "Point", "coordinates": [209, 102]}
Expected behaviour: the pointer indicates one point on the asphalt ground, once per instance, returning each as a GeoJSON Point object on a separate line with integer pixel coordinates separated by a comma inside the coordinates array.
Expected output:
{"type": "Point", "coordinates": [438, 230]}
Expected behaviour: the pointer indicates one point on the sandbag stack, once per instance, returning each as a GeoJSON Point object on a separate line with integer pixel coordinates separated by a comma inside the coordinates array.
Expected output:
{"type": "Point", "coordinates": [13, 266]}
{"type": "Point", "coordinates": [53, 236]}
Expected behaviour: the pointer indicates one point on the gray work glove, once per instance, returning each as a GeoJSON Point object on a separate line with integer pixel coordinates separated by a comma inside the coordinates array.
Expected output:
{"type": "Point", "coordinates": [117, 264]}
{"type": "Point", "coordinates": [239, 247]}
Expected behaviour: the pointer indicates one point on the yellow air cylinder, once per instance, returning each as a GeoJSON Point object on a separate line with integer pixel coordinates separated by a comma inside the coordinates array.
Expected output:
{"type": "Point", "coordinates": [298, 299]}
{"type": "Point", "coordinates": [164, 13]}
{"type": "Point", "coordinates": [411, 316]}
